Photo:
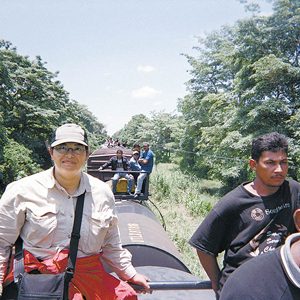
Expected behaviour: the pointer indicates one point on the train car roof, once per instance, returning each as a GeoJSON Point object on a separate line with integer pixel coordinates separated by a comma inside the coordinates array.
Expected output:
{"type": "Point", "coordinates": [110, 151]}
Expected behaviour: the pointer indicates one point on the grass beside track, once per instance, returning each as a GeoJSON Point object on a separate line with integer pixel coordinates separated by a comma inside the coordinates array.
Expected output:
{"type": "Point", "coordinates": [183, 202]}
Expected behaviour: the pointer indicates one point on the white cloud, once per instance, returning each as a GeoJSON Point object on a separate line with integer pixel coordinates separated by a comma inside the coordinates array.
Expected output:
{"type": "Point", "coordinates": [145, 92]}
{"type": "Point", "coordinates": [145, 68]}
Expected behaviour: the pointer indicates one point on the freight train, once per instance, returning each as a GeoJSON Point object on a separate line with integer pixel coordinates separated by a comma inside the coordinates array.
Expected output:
{"type": "Point", "coordinates": [153, 253]}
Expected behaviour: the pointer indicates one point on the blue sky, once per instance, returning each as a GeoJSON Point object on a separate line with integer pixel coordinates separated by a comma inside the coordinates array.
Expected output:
{"type": "Point", "coordinates": [118, 57]}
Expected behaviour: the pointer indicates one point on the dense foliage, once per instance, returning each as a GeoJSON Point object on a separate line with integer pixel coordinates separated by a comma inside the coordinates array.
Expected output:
{"type": "Point", "coordinates": [162, 130]}
{"type": "Point", "coordinates": [245, 81]}
{"type": "Point", "coordinates": [32, 104]}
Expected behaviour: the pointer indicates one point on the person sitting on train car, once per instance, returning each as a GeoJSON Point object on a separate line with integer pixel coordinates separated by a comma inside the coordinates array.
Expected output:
{"type": "Point", "coordinates": [120, 164]}
{"type": "Point", "coordinates": [40, 209]}
{"type": "Point", "coordinates": [146, 161]}
{"type": "Point", "coordinates": [254, 218]}
{"type": "Point", "coordinates": [273, 276]}
{"type": "Point", "coordinates": [134, 164]}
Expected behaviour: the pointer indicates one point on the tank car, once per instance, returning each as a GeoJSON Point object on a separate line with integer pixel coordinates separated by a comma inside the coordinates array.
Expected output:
{"type": "Point", "coordinates": [153, 253]}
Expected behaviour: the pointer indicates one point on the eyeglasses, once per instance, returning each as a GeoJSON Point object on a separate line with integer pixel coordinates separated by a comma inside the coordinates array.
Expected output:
{"type": "Point", "coordinates": [63, 149]}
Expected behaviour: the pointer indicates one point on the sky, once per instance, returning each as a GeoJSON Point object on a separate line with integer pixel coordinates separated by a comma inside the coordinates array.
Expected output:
{"type": "Point", "coordinates": [119, 58]}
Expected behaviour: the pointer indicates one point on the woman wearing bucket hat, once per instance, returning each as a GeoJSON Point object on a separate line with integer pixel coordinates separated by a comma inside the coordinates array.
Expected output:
{"type": "Point", "coordinates": [40, 209]}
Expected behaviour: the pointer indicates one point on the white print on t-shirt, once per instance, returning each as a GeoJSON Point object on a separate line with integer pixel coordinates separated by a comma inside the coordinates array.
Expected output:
{"type": "Point", "coordinates": [257, 214]}
{"type": "Point", "coordinates": [271, 243]}
{"type": "Point", "coordinates": [277, 209]}
{"type": "Point", "coordinates": [120, 165]}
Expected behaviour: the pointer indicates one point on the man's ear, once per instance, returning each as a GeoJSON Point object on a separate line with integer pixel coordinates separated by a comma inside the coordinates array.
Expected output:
{"type": "Point", "coordinates": [297, 219]}
{"type": "Point", "coordinates": [252, 164]}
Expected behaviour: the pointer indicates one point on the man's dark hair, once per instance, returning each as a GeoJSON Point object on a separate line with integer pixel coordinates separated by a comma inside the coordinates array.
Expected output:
{"type": "Point", "coordinates": [273, 142]}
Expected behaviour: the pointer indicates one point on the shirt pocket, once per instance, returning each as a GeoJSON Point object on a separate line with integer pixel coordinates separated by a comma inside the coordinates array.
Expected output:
{"type": "Point", "coordinates": [99, 225]}
{"type": "Point", "coordinates": [40, 225]}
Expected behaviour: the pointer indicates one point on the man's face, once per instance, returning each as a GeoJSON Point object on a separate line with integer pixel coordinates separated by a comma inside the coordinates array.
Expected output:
{"type": "Point", "coordinates": [271, 168]}
{"type": "Point", "coordinates": [119, 154]}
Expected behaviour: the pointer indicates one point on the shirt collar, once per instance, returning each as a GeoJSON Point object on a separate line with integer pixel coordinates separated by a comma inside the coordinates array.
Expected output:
{"type": "Point", "coordinates": [290, 267]}
{"type": "Point", "coordinates": [47, 179]}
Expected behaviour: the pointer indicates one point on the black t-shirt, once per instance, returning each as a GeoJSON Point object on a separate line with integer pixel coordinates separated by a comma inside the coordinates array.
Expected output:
{"type": "Point", "coordinates": [261, 278]}
{"type": "Point", "coordinates": [120, 166]}
{"type": "Point", "coordinates": [244, 225]}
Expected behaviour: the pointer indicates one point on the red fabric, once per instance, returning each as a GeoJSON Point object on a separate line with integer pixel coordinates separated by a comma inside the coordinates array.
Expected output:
{"type": "Point", "coordinates": [90, 280]}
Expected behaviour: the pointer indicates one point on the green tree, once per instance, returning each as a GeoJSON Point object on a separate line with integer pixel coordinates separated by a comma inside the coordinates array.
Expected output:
{"type": "Point", "coordinates": [243, 84]}
{"type": "Point", "coordinates": [79, 114]}
{"type": "Point", "coordinates": [133, 131]}
{"type": "Point", "coordinates": [162, 130]}
{"type": "Point", "coordinates": [32, 104]}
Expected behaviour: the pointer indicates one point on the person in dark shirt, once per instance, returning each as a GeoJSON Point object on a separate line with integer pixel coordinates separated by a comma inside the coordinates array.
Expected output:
{"type": "Point", "coordinates": [120, 164]}
{"type": "Point", "coordinates": [254, 218]}
{"type": "Point", "coordinates": [275, 275]}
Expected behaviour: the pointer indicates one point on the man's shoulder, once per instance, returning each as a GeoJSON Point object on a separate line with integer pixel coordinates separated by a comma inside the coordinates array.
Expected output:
{"type": "Point", "coordinates": [251, 275]}
{"type": "Point", "coordinates": [238, 191]}
{"type": "Point", "coordinates": [44, 178]}
{"type": "Point", "coordinates": [233, 200]}
{"type": "Point", "coordinates": [291, 186]}
{"type": "Point", "coordinates": [292, 183]}
{"type": "Point", "coordinates": [149, 155]}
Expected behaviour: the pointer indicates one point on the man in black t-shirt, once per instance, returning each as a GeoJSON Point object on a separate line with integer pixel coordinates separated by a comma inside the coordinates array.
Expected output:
{"type": "Point", "coordinates": [273, 276]}
{"type": "Point", "coordinates": [254, 218]}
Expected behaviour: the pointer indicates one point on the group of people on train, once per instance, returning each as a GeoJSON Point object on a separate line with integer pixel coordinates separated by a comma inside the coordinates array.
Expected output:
{"type": "Point", "coordinates": [140, 165]}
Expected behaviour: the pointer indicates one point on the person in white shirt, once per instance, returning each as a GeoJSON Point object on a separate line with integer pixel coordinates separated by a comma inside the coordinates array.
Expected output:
{"type": "Point", "coordinates": [40, 209]}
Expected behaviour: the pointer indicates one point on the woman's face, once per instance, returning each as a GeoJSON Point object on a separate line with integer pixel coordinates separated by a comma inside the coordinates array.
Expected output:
{"type": "Point", "coordinates": [69, 158]}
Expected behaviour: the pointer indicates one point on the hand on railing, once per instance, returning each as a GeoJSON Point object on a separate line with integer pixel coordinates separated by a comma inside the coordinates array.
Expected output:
{"type": "Point", "coordinates": [175, 285]}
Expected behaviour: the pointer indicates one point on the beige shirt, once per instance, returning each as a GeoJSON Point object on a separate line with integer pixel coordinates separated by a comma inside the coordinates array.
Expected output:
{"type": "Point", "coordinates": [42, 212]}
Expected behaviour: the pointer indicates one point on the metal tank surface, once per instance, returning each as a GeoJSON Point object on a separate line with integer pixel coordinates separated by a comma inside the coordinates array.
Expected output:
{"type": "Point", "coordinates": [153, 252]}
{"type": "Point", "coordinates": [154, 255]}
